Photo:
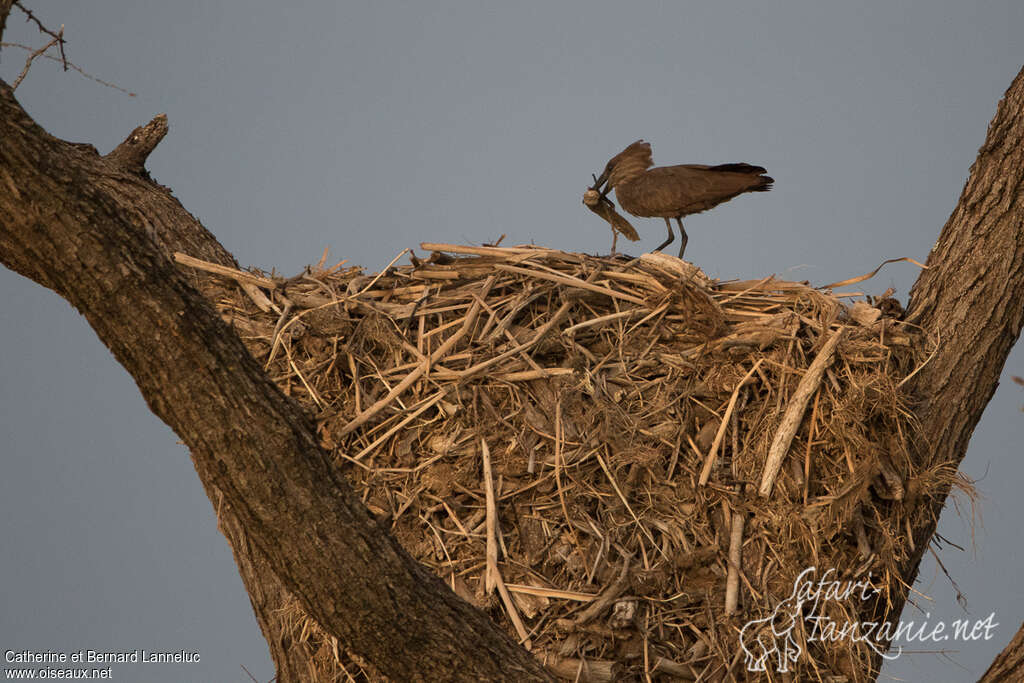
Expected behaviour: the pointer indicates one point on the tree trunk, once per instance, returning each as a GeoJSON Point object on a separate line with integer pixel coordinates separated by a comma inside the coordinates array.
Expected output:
{"type": "Point", "coordinates": [1008, 664]}
{"type": "Point", "coordinates": [97, 231]}
{"type": "Point", "coordinates": [971, 297]}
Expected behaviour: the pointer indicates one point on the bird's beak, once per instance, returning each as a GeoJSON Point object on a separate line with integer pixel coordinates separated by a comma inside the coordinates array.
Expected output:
{"type": "Point", "coordinates": [599, 181]}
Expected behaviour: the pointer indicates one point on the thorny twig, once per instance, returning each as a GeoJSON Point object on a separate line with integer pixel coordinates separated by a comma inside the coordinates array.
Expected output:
{"type": "Point", "coordinates": [32, 58]}
{"type": "Point", "coordinates": [74, 67]}
{"type": "Point", "coordinates": [58, 37]}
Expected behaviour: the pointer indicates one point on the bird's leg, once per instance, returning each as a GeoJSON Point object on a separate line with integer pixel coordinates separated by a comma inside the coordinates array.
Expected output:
{"type": "Point", "coordinates": [670, 236]}
{"type": "Point", "coordinates": [682, 236]}
{"type": "Point", "coordinates": [615, 239]}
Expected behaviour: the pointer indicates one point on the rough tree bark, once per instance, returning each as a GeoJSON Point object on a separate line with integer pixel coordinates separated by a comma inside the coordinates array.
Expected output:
{"type": "Point", "coordinates": [98, 232]}
{"type": "Point", "coordinates": [1008, 664]}
{"type": "Point", "coordinates": [971, 297]}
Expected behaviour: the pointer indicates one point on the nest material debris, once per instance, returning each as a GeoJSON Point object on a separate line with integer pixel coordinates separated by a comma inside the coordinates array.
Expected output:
{"type": "Point", "coordinates": [577, 444]}
{"type": "Point", "coordinates": [603, 207]}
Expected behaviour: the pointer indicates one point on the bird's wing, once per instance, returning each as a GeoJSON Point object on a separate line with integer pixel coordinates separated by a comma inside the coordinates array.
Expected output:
{"type": "Point", "coordinates": [639, 152]}
{"type": "Point", "coordinates": [688, 188]}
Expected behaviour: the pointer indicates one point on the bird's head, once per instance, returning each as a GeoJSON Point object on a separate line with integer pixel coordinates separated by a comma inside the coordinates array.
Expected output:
{"type": "Point", "coordinates": [624, 166]}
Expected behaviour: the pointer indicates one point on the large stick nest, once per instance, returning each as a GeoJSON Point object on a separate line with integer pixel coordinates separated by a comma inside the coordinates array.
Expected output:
{"type": "Point", "coordinates": [577, 445]}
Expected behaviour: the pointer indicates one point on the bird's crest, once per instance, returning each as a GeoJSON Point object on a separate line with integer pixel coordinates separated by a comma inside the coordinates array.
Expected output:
{"type": "Point", "coordinates": [629, 163]}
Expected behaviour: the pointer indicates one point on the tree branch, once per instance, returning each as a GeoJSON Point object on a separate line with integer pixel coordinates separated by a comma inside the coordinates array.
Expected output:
{"type": "Point", "coordinates": [5, 11]}
{"type": "Point", "coordinates": [1008, 664]}
{"type": "Point", "coordinates": [131, 154]}
{"type": "Point", "coordinates": [78, 224]}
{"type": "Point", "coordinates": [970, 297]}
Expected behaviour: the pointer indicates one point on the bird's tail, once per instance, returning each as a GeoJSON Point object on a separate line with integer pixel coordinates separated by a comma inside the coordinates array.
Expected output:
{"type": "Point", "coordinates": [739, 168]}
{"type": "Point", "coordinates": [764, 183]}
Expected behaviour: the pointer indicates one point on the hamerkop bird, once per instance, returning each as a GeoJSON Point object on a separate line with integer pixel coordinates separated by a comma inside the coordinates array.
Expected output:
{"type": "Point", "coordinates": [672, 191]}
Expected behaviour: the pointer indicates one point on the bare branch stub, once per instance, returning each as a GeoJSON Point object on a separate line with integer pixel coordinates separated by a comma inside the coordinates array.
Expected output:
{"type": "Point", "coordinates": [131, 154]}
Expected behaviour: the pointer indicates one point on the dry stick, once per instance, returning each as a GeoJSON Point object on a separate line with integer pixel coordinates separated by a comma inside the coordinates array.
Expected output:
{"type": "Point", "coordinates": [378, 276]}
{"type": "Point", "coordinates": [32, 58]}
{"type": "Point", "coordinates": [312, 392]}
{"type": "Point", "coordinates": [258, 297]}
{"type": "Point", "coordinates": [524, 375]}
{"type": "Point", "coordinates": [555, 593]}
{"type": "Point", "coordinates": [278, 330]}
{"type": "Point", "coordinates": [795, 412]}
{"type": "Point", "coordinates": [625, 502]}
{"type": "Point", "coordinates": [583, 670]}
{"type": "Point", "coordinates": [610, 593]}
{"type": "Point", "coordinates": [525, 356]}
{"type": "Point", "coordinates": [756, 285]}
{"type": "Point", "coordinates": [604, 319]}
{"type": "Point", "coordinates": [541, 331]}
{"type": "Point", "coordinates": [412, 416]}
{"type": "Point", "coordinates": [681, 671]}
{"type": "Point", "coordinates": [709, 459]}
{"type": "Point", "coordinates": [233, 273]}
{"type": "Point", "coordinates": [72, 65]}
{"type": "Point", "coordinates": [570, 282]}
{"type": "Point", "coordinates": [811, 433]}
{"type": "Point", "coordinates": [490, 580]}
{"type": "Point", "coordinates": [481, 251]}
{"type": "Point", "coordinates": [355, 383]}
{"type": "Point", "coordinates": [559, 466]}
{"type": "Point", "coordinates": [419, 371]}
{"type": "Point", "coordinates": [732, 580]}
{"type": "Point", "coordinates": [492, 575]}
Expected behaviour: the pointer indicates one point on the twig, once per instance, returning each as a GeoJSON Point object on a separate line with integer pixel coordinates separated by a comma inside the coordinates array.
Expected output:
{"type": "Point", "coordinates": [811, 433]}
{"type": "Point", "coordinates": [379, 275]}
{"type": "Point", "coordinates": [609, 594]}
{"type": "Point", "coordinates": [732, 580]}
{"type": "Point", "coordinates": [538, 335]}
{"type": "Point", "coordinates": [492, 575]}
{"type": "Point", "coordinates": [34, 19]}
{"type": "Point", "coordinates": [217, 269]}
{"type": "Point", "coordinates": [479, 251]}
{"type": "Point", "coordinates": [795, 412]}
{"type": "Point", "coordinates": [423, 366]}
{"type": "Point", "coordinates": [275, 340]}
{"type": "Point", "coordinates": [709, 459]}
{"type": "Point", "coordinates": [575, 596]}
{"type": "Point", "coordinates": [868, 276]}
{"type": "Point", "coordinates": [582, 670]}
{"type": "Point", "coordinates": [31, 58]}
{"type": "Point", "coordinates": [615, 485]}
{"type": "Point", "coordinates": [611, 317]}
{"type": "Point", "coordinates": [74, 67]}
{"type": "Point", "coordinates": [569, 282]}
{"type": "Point", "coordinates": [409, 418]}
{"type": "Point", "coordinates": [559, 466]}
{"type": "Point", "coordinates": [58, 37]}
{"type": "Point", "coordinates": [490, 580]}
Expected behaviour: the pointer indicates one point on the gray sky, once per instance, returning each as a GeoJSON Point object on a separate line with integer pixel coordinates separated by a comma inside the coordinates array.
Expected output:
{"type": "Point", "coordinates": [371, 126]}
